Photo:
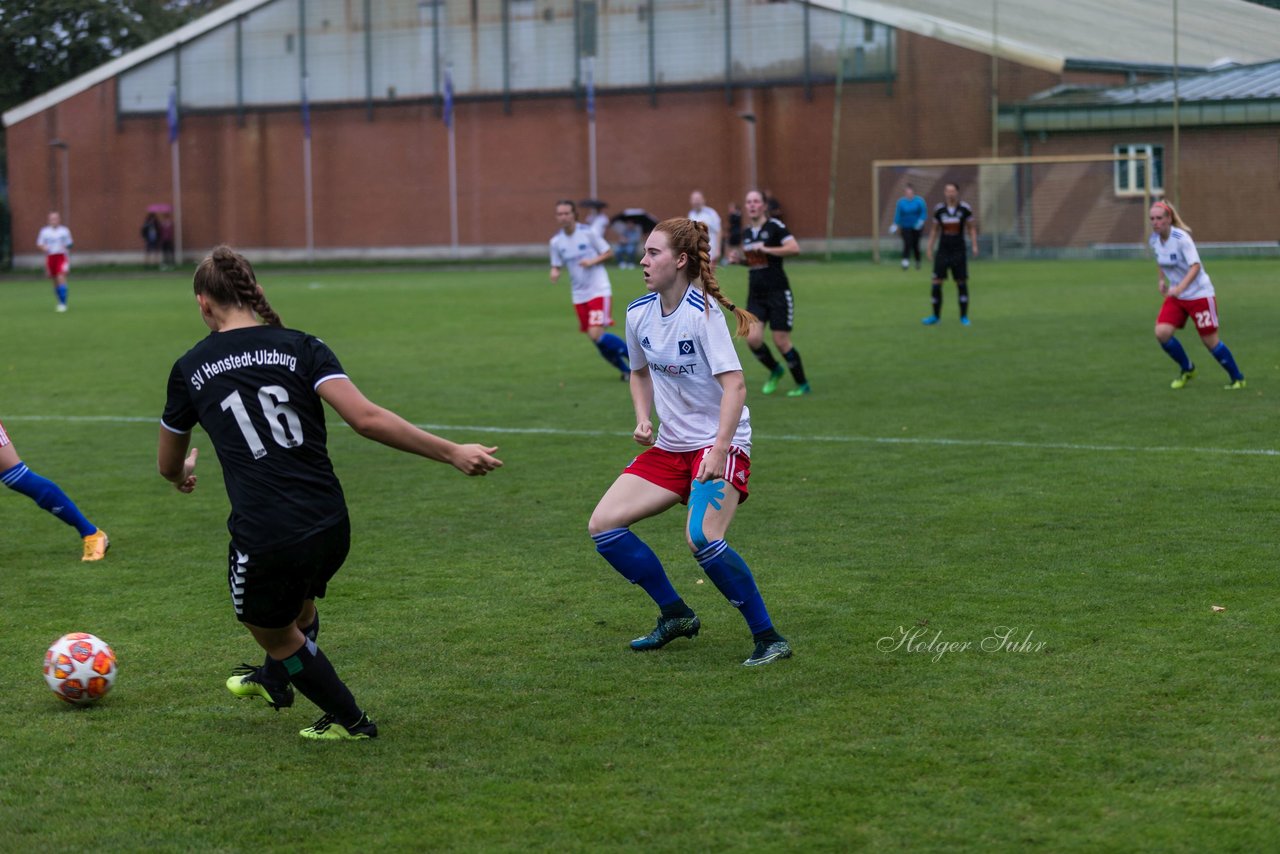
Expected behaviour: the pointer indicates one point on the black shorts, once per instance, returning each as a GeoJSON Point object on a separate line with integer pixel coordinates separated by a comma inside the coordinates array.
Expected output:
{"type": "Point", "coordinates": [268, 588]}
{"type": "Point", "coordinates": [772, 305]}
{"type": "Point", "coordinates": [957, 261]}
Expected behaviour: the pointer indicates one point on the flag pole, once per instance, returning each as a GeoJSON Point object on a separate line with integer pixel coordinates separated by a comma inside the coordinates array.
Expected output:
{"type": "Point", "coordinates": [175, 162]}
{"type": "Point", "coordinates": [590, 63]}
{"type": "Point", "coordinates": [308, 197]}
{"type": "Point", "coordinates": [453, 158]}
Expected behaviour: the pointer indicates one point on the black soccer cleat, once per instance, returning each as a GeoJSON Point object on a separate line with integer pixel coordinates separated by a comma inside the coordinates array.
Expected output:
{"type": "Point", "coordinates": [667, 630]}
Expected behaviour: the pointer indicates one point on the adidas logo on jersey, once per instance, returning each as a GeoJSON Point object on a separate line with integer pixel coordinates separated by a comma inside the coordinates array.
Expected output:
{"type": "Point", "coordinates": [644, 342]}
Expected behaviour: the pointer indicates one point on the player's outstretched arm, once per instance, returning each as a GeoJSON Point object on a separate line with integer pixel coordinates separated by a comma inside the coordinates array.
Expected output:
{"type": "Point", "coordinates": [382, 425]}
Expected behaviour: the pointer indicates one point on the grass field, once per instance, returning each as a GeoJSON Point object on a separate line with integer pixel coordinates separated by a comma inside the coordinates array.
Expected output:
{"type": "Point", "coordinates": [1033, 471]}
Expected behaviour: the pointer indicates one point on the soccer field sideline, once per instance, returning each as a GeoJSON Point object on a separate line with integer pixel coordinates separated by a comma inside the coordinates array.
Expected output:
{"type": "Point", "coordinates": [868, 440]}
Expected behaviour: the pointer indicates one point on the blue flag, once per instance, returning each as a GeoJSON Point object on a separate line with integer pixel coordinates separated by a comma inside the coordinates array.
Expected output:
{"type": "Point", "coordinates": [306, 109]}
{"type": "Point", "coordinates": [448, 97]}
{"type": "Point", "coordinates": [173, 114]}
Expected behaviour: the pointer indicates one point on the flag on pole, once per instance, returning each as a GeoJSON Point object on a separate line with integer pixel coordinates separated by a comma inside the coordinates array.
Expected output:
{"type": "Point", "coordinates": [173, 114]}
{"type": "Point", "coordinates": [306, 108]}
{"type": "Point", "coordinates": [591, 88]}
{"type": "Point", "coordinates": [448, 97]}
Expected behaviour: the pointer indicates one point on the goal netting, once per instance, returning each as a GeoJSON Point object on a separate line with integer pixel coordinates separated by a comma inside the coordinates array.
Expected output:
{"type": "Point", "coordinates": [1087, 206]}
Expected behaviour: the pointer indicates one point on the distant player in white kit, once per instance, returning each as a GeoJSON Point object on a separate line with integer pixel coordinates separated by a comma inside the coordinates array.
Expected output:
{"type": "Point", "coordinates": [55, 240]}
{"type": "Point", "coordinates": [584, 253]}
{"type": "Point", "coordinates": [1188, 293]}
{"type": "Point", "coordinates": [685, 366]}
{"type": "Point", "coordinates": [699, 212]}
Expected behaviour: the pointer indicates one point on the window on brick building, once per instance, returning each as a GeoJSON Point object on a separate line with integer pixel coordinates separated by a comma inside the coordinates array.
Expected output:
{"type": "Point", "coordinates": [1131, 175]}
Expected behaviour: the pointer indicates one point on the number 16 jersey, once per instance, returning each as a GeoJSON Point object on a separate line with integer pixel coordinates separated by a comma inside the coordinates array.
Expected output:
{"type": "Point", "coordinates": [253, 390]}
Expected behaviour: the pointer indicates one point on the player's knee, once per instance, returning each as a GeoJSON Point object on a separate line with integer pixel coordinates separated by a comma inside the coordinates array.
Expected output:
{"type": "Point", "coordinates": [695, 538]}
{"type": "Point", "coordinates": [597, 524]}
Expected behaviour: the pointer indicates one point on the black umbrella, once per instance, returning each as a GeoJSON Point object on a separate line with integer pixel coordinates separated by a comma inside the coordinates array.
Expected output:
{"type": "Point", "coordinates": [639, 216]}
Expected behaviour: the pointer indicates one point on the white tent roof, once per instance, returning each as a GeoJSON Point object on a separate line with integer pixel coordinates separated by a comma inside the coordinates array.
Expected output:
{"type": "Point", "coordinates": [1048, 33]}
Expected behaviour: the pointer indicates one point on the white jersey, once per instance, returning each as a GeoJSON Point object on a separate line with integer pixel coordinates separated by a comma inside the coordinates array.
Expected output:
{"type": "Point", "coordinates": [684, 351]}
{"type": "Point", "coordinates": [54, 239]}
{"type": "Point", "coordinates": [569, 250]}
{"type": "Point", "coordinates": [599, 224]}
{"type": "Point", "coordinates": [712, 219]}
{"type": "Point", "coordinates": [1176, 256]}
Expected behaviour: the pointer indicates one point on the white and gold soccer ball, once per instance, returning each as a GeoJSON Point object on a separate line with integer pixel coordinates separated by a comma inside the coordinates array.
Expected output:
{"type": "Point", "coordinates": [80, 668]}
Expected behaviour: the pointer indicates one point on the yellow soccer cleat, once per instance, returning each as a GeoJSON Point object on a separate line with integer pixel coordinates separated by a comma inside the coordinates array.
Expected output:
{"type": "Point", "coordinates": [96, 545]}
{"type": "Point", "coordinates": [328, 729]}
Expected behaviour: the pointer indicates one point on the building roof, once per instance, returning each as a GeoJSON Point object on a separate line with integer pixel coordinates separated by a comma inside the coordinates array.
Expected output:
{"type": "Point", "coordinates": [1046, 34]}
{"type": "Point", "coordinates": [1237, 83]}
{"type": "Point", "coordinates": [1051, 34]}
{"type": "Point", "coordinates": [1239, 95]}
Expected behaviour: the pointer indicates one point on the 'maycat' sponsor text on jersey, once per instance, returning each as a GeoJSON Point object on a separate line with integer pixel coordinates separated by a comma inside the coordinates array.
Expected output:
{"type": "Point", "coordinates": [684, 351]}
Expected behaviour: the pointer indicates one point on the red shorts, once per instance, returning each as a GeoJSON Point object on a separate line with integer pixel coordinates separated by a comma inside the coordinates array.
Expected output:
{"type": "Point", "coordinates": [56, 265]}
{"type": "Point", "coordinates": [594, 312]}
{"type": "Point", "coordinates": [1204, 312]}
{"type": "Point", "coordinates": [674, 470]}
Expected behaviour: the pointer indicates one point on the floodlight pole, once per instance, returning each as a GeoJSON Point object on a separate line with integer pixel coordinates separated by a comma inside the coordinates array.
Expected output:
{"type": "Point", "coordinates": [1174, 172]}
{"type": "Point", "coordinates": [749, 117]}
{"type": "Point", "coordinates": [995, 125]}
{"type": "Point", "coordinates": [65, 148]}
{"type": "Point", "coordinates": [589, 68]}
{"type": "Point", "coordinates": [835, 130]}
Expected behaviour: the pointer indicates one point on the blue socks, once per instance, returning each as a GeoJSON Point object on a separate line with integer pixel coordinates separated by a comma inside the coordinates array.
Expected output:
{"type": "Point", "coordinates": [46, 494]}
{"type": "Point", "coordinates": [637, 563]}
{"type": "Point", "coordinates": [729, 573]}
{"type": "Point", "coordinates": [1174, 348]}
{"type": "Point", "coordinates": [1221, 353]}
{"type": "Point", "coordinates": [614, 351]}
{"type": "Point", "coordinates": [62, 294]}
{"type": "Point", "coordinates": [1228, 362]}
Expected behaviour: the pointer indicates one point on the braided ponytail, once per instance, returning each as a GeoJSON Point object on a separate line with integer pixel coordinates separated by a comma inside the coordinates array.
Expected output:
{"type": "Point", "coordinates": [693, 239]}
{"type": "Point", "coordinates": [227, 278]}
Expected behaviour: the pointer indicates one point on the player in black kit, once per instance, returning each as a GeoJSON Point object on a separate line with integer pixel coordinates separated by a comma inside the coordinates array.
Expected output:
{"type": "Point", "coordinates": [951, 221]}
{"type": "Point", "coordinates": [258, 390]}
{"type": "Point", "coordinates": [765, 242]}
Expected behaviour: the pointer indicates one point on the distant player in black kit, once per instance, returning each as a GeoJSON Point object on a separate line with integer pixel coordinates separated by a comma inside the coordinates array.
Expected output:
{"type": "Point", "coordinates": [951, 221]}
{"type": "Point", "coordinates": [765, 242]}
{"type": "Point", "coordinates": [257, 389]}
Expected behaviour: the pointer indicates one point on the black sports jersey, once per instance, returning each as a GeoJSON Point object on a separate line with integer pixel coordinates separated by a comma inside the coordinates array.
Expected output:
{"type": "Point", "coordinates": [952, 222]}
{"type": "Point", "coordinates": [765, 270]}
{"type": "Point", "coordinates": [253, 392]}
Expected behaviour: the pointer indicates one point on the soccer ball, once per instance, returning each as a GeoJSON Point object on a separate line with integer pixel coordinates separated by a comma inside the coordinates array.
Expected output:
{"type": "Point", "coordinates": [80, 668]}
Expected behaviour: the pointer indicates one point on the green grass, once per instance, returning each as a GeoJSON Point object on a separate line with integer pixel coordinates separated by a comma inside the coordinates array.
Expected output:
{"type": "Point", "coordinates": [1033, 471]}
